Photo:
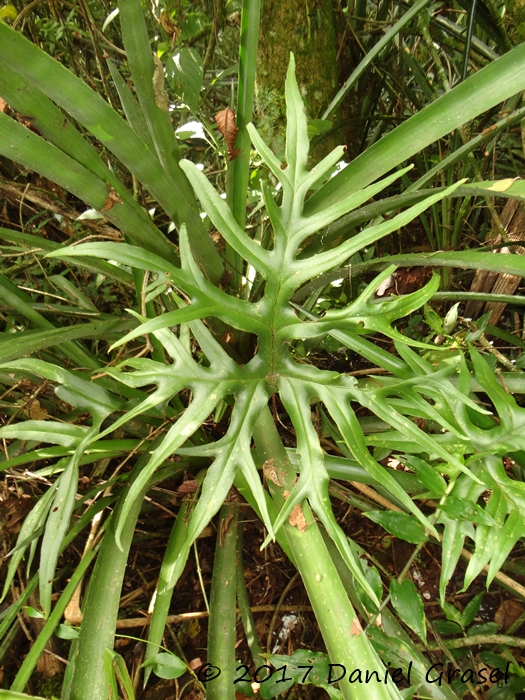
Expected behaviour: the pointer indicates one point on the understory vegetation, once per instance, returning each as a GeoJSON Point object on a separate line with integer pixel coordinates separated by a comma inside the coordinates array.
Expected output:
{"type": "Point", "coordinates": [262, 369]}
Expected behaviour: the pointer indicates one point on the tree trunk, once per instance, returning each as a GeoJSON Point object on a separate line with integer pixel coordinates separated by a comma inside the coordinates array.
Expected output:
{"type": "Point", "coordinates": [306, 29]}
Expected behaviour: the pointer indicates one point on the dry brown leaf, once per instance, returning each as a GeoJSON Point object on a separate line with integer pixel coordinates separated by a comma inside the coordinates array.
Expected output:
{"type": "Point", "coordinates": [410, 279]}
{"type": "Point", "coordinates": [34, 411]}
{"type": "Point", "coordinates": [73, 613]}
{"type": "Point", "coordinates": [188, 486]}
{"type": "Point", "coordinates": [196, 663]}
{"type": "Point", "coordinates": [270, 472]}
{"type": "Point", "coordinates": [112, 199]}
{"type": "Point", "coordinates": [25, 120]}
{"type": "Point", "coordinates": [3, 105]}
{"type": "Point", "coordinates": [169, 27]}
{"type": "Point", "coordinates": [226, 122]}
{"type": "Point", "coordinates": [507, 613]}
{"type": "Point", "coordinates": [12, 513]}
{"type": "Point", "coordinates": [49, 663]}
{"type": "Point", "coordinates": [297, 518]}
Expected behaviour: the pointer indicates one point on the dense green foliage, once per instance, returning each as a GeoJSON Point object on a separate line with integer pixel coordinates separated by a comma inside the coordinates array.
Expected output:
{"type": "Point", "coordinates": [236, 308]}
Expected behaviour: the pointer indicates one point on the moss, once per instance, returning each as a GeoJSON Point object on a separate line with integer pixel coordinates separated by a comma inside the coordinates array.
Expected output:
{"type": "Point", "coordinates": [306, 28]}
{"type": "Point", "coordinates": [48, 687]}
{"type": "Point", "coordinates": [270, 109]}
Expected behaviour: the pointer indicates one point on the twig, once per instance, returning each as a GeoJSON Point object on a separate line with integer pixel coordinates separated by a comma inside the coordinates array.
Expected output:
{"type": "Point", "coordinates": [475, 640]}
{"type": "Point", "coordinates": [173, 619]}
{"type": "Point", "coordinates": [199, 573]}
{"type": "Point", "coordinates": [279, 607]}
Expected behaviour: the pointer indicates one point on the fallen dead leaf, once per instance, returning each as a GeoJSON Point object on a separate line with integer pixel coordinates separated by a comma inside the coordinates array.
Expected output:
{"type": "Point", "coordinates": [188, 486]}
{"type": "Point", "coordinates": [73, 613]}
{"type": "Point", "coordinates": [507, 613]}
{"type": "Point", "coordinates": [270, 472]}
{"type": "Point", "coordinates": [410, 279]}
{"type": "Point", "coordinates": [194, 664]}
{"type": "Point", "coordinates": [34, 411]}
{"type": "Point", "coordinates": [297, 518]}
{"type": "Point", "coordinates": [12, 513]}
{"type": "Point", "coordinates": [112, 199]}
{"type": "Point", "coordinates": [225, 120]}
{"type": "Point", "coordinates": [167, 24]}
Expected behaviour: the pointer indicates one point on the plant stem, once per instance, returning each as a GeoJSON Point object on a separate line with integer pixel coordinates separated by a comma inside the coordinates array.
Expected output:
{"type": "Point", "coordinates": [23, 675]}
{"type": "Point", "coordinates": [344, 638]}
{"type": "Point", "coordinates": [101, 603]}
{"type": "Point", "coordinates": [245, 611]}
{"type": "Point", "coordinates": [475, 640]}
{"type": "Point", "coordinates": [221, 627]}
{"type": "Point", "coordinates": [162, 598]}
